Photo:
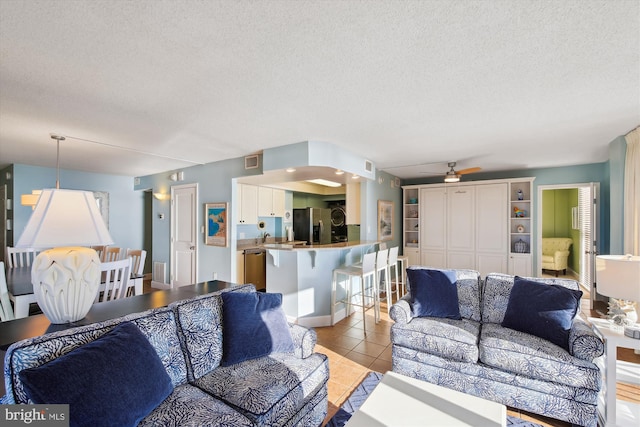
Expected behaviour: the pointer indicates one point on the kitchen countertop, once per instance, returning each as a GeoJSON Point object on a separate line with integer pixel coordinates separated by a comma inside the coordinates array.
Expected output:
{"type": "Point", "coordinates": [288, 246]}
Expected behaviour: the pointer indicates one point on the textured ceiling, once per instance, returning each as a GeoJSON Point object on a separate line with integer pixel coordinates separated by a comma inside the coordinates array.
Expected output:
{"type": "Point", "coordinates": [497, 84]}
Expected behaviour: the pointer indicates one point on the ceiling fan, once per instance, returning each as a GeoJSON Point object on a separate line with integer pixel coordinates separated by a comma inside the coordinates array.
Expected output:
{"type": "Point", "coordinates": [454, 176]}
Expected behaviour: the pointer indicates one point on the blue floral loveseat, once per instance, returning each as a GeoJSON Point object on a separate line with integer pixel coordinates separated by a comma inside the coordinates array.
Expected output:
{"type": "Point", "coordinates": [192, 386]}
{"type": "Point", "coordinates": [476, 354]}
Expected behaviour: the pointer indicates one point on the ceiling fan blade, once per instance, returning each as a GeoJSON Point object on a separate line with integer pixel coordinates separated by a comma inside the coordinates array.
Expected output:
{"type": "Point", "coordinates": [468, 170]}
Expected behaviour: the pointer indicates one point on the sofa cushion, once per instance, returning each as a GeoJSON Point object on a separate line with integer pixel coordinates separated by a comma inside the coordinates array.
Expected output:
{"type": "Point", "coordinates": [533, 357]}
{"type": "Point", "coordinates": [543, 310]}
{"type": "Point", "coordinates": [120, 370]}
{"type": "Point", "coordinates": [270, 390]}
{"type": "Point", "coordinates": [187, 405]}
{"type": "Point", "coordinates": [496, 291]}
{"type": "Point", "coordinates": [447, 338]}
{"type": "Point", "coordinates": [468, 283]}
{"type": "Point", "coordinates": [433, 293]}
{"type": "Point", "coordinates": [254, 325]}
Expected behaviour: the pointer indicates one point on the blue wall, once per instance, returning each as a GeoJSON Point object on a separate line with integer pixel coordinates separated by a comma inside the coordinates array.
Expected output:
{"type": "Point", "coordinates": [126, 206]}
{"type": "Point", "coordinates": [615, 175]}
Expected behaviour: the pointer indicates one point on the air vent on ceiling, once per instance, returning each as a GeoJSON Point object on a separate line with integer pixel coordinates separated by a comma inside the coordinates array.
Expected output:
{"type": "Point", "coordinates": [251, 162]}
{"type": "Point", "coordinates": [368, 166]}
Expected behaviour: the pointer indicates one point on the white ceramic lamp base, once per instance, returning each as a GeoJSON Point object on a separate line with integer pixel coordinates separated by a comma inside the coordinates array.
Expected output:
{"type": "Point", "coordinates": [65, 282]}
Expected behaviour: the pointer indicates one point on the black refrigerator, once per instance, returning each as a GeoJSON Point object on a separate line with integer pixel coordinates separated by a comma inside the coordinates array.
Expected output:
{"type": "Point", "coordinates": [312, 225]}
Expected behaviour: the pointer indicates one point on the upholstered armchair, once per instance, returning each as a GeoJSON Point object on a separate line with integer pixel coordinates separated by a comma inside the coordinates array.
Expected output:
{"type": "Point", "coordinates": [555, 253]}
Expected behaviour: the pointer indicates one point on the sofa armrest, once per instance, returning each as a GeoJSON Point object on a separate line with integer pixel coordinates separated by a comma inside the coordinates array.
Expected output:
{"type": "Point", "coordinates": [560, 258]}
{"type": "Point", "coordinates": [583, 342]}
{"type": "Point", "coordinates": [304, 340]}
{"type": "Point", "coordinates": [401, 310]}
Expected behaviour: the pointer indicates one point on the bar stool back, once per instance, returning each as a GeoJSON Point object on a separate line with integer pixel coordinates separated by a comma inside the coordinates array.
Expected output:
{"type": "Point", "coordinates": [382, 274]}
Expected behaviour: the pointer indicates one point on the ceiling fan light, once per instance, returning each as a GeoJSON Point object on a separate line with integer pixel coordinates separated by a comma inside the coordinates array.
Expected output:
{"type": "Point", "coordinates": [451, 177]}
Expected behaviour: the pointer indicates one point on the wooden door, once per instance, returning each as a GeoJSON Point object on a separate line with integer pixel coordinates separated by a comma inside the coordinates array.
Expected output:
{"type": "Point", "coordinates": [184, 245]}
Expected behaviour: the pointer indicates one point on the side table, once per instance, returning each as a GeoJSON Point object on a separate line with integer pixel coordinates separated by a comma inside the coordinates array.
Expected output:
{"type": "Point", "coordinates": [612, 340]}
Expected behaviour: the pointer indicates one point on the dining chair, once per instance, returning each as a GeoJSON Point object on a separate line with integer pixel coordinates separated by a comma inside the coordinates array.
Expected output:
{"type": "Point", "coordinates": [112, 253]}
{"type": "Point", "coordinates": [22, 257]}
{"type": "Point", "coordinates": [6, 312]}
{"type": "Point", "coordinates": [138, 256]}
{"type": "Point", "coordinates": [115, 280]}
{"type": "Point", "coordinates": [100, 249]}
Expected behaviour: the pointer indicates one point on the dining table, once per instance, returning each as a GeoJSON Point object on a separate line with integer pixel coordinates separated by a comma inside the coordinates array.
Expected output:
{"type": "Point", "coordinates": [21, 293]}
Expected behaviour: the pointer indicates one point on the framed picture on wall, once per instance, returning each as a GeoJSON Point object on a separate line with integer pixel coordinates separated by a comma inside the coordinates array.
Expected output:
{"type": "Point", "coordinates": [216, 229]}
{"type": "Point", "coordinates": [385, 220]}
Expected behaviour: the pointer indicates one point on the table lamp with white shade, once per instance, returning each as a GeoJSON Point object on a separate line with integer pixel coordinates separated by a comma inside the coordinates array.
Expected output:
{"type": "Point", "coordinates": [66, 278]}
{"type": "Point", "coordinates": [618, 277]}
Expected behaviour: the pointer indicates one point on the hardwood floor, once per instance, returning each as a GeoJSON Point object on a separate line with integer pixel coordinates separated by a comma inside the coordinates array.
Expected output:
{"type": "Point", "coordinates": [352, 355]}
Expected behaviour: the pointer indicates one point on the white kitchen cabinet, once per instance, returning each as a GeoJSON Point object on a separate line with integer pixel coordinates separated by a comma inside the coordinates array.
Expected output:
{"type": "Point", "coordinates": [270, 202]}
{"type": "Point", "coordinates": [248, 196]}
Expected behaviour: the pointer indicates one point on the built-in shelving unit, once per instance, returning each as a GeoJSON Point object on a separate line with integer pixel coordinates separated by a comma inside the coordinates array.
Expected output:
{"type": "Point", "coordinates": [520, 227]}
{"type": "Point", "coordinates": [411, 218]}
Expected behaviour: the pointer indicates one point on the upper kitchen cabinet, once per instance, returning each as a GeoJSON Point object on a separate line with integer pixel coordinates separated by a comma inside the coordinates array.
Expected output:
{"type": "Point", "coordinates": [248, 196]}
{"type": "Point", "coordinates": [270, 202]}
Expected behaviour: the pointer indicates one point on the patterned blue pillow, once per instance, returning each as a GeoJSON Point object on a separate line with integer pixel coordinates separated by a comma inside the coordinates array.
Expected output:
{"type": "Point", "coordinates": [433, 293]}
{"type": "Point", "coordinates": [253, 325]}
{"type": "Point", "coordinates": [542, 309]}
{"type": "Point", "coordinates": [115, 380]}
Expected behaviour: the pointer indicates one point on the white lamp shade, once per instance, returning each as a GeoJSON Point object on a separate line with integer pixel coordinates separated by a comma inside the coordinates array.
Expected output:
{"type": "Point", "coordinates": [65, 218]}
{"type": "Point", "coordinates": [618, 276]}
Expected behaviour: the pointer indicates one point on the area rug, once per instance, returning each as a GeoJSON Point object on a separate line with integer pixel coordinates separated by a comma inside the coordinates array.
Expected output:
{"type": "Point", "coordinates": [366, 387]}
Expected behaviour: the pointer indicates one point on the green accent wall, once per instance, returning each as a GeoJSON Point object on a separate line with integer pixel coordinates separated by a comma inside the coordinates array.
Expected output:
{"type": "Point", "coordinates": [557, 220]}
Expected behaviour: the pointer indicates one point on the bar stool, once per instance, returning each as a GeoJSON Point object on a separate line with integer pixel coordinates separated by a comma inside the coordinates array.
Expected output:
{"type": "Point", "coordinates": [404, 263]}
{"type": "Point", "coordinates": [393, 263]}
{"type": "Point", "coordinates": [382, 273]}
{"type": "Point", "coordinates": [367, 274]}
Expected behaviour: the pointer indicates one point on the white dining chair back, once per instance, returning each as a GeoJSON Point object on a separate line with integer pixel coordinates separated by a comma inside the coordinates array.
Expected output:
{"type": "Point", "coordinates": [382, 246]}
{"type": "Point", "coordinates": [6, 312]}
{"type": "Point", "coordinates": [100, 250]}
{"type": "Point", "coordinates": [115, 278]}
{"type": "Point", "coordinates": [138, 256]}
{"type": "Point", "coordinates": [112, 253]}
{"type": "Point", "coordinates": [22, 257]}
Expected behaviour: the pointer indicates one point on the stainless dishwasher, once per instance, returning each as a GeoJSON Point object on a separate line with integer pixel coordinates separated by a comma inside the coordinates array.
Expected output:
{"type": "Point", "coordinates": [255, 268]}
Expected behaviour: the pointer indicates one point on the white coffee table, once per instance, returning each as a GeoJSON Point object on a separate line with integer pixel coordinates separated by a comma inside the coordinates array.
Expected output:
{"type": "Point", "coordinates": [399, 400]}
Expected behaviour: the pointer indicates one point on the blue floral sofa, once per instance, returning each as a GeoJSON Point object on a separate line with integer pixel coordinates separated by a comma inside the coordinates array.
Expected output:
{"type": "Point", "coordinates": [477, 355]}
{"type": "Point", "coordinates": [281, 389]}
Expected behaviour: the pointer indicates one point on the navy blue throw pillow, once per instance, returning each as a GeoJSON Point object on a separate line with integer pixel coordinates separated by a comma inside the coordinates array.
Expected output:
{"type": "Point", "coordinates": [115, 380]}
{"type": "Point", "coordinates": [433, 293]}
{"type": "Point", "coordinates": [542, 309]}
{"type": "Point", "coordinates": [253, 325]}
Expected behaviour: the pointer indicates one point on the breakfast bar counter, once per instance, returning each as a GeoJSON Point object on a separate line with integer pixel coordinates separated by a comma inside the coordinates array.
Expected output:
{"type": "Point", "coordinates": [303, 275]}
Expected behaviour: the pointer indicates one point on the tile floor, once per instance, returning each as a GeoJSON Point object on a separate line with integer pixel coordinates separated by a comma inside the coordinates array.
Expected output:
{"type": "Point", "coordinates": [353, 354]}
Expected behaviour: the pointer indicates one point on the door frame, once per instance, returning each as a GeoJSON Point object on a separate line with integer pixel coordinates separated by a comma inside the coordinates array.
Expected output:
{"type": "Point", "coordinates": [595, 220]}
{"type": "Point", "coordinates": [194, 273]}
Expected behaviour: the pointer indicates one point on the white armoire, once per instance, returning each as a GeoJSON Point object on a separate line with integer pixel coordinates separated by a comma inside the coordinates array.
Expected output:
{"type": "Point", "coordinates": [467, 225]}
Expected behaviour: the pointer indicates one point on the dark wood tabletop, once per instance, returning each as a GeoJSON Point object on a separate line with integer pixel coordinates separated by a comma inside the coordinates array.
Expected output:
{"type": "Point", "coordinates": [33, 326]}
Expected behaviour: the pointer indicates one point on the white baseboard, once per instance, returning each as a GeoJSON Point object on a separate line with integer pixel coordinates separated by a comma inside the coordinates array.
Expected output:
{"type": "Point", "coordinates": [160, 285]}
